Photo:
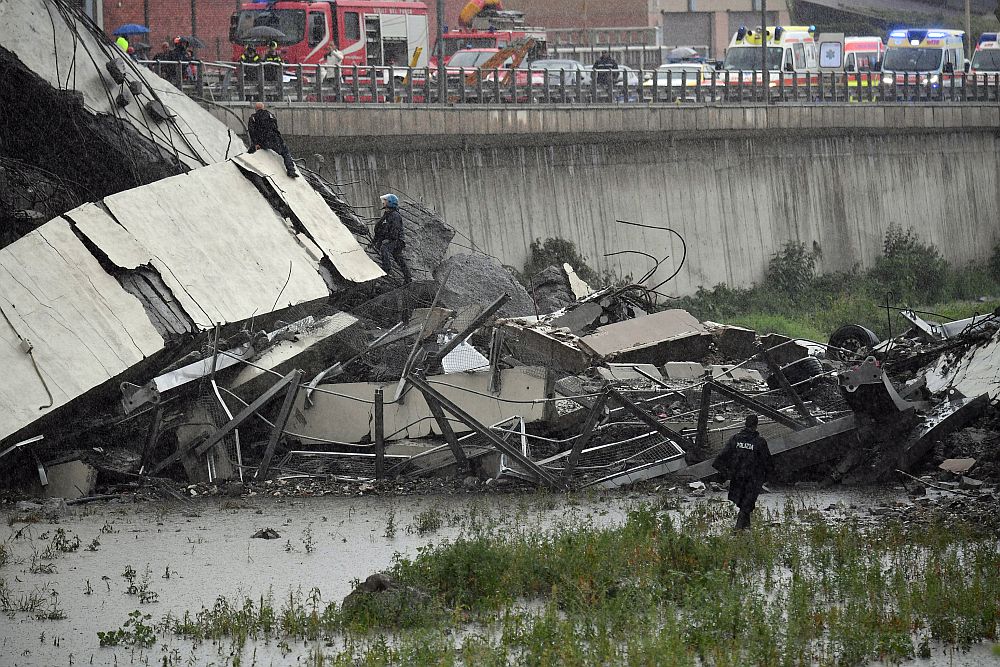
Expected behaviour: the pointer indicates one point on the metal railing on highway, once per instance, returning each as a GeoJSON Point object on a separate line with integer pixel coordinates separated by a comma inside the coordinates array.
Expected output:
{"type": "Point", "coordinates": [236, 82]}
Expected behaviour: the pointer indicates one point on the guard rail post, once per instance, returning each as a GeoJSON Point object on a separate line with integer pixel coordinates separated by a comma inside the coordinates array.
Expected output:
{"type": "Point", "coordinates": [338, 80]}
{"type": "Point", "coordinates": [355, 85]}
{"type": "Point", "coordinates": [427, 85]}
{"type": "Point", "coordinates": [390, 95]}
{"type": "Point", "coordinates": [199, 83]}
{"type": "Point", "coordinates": [318, 82]}
{"type": "Point", "coordinates": [479, 87]}
{"type": "Point", "coordinates": [578, 87]}
{"type": "Point", "coordinates": [461, 82]}
{"type": "Point", "coordinates": [562, 85]}
{"type": "Point", "coordinates": [261, 88]}
{"type": "Point", "coordinates": [641, 90]}
{"type": "Point", "coordinates": [240, 83]}
{"type": "Point", "coordinates": [496, 85]}
{"type": "Point", "coordinates": [280, 80]}
{"type": "Point", "coordinates": [373, 77]}
{"type": "Point", "coordinates": [300, 91]}
{"type": "Point", "coordinates": [409, 85]}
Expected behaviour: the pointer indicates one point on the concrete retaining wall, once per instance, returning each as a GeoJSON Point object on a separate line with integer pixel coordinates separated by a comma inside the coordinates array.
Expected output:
{"type": "Point", "coordinates": [736, 191]}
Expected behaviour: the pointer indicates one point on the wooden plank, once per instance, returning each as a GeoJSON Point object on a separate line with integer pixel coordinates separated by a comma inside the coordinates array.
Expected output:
{"type": "Point", "coordinates": [447, 431]}
{"type": "Point", "coordinates": [279, 423]}
{"type": "Point", "coordinates": [680, 442]}
{"type": "Point", "coordinates": [757, 406]}
{"type": "Point", "coordinates": [429, 392]}
{"type": "Point", "coordinates": [379, 435]}
{"type": "Point", "coordinates": [245, 413]}
{"type": "Point", "coordinates": [585, 435]}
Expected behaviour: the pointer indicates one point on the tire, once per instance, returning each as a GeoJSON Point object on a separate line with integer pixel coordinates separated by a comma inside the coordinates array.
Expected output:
{"type": "Point", "coordinates": [798, 373]}
{"type": "Point", "coordinates": [852, 337]}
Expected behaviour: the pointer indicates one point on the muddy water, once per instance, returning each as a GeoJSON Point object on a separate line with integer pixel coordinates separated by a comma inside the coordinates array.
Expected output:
{"type": "Point", "coordinates": [192, 553]}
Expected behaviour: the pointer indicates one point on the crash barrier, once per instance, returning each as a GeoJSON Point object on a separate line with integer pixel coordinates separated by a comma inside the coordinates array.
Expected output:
{"type": "Point", "coordinates": [235, 82]}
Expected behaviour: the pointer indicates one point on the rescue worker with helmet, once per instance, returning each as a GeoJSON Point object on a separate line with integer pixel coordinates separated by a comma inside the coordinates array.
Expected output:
{"type": "Point", "coordinates": [746, 461]}
{"type": "Point", "coordinates": [249, 55]}
{"type": "Point", "coordinates": [389, 237]}
{"type": "Point", "coordinates": [263, 130]}
{"type": "Point", "coordinates": [272, 72]}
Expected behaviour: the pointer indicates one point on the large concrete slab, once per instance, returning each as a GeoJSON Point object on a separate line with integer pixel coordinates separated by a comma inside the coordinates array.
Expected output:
{"type": "Point", "coordinates": [642, 332]}
{"type": "Point", "coordinates": [83, 328]}
{"type": "Point", "coordinates": [322, 224]}
{"type": "Point", "coordinates": [216, 242]}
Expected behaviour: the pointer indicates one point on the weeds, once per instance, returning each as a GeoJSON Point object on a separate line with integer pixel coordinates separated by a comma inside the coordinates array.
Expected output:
{"type": "Point", "coordinates": [307, 539]}
{"type": "Point", "coordinates": [429, 521]}
{"type": "Point", "coordinates": [662, 588]}
{"type": "Point", "coordinates": [141, 589]}
{"type": "Point", "coordinates": [134, 632]}
{"type": "Point", "coordinates": [390, 525]}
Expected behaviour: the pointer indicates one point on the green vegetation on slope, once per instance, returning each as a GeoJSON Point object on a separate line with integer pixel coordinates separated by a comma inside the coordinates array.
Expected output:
{"type": "Point", "coordinates": [793, 300]}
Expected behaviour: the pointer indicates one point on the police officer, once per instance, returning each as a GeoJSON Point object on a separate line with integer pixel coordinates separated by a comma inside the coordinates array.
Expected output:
{"type": "Point", "coordinates": [746, 461]}
{"type": "Point", "coordinates": [263, 130]}
{"type": "Point", "coordinates": [606, 69]}
{"type": "Point", "coordinates": [389, 237]}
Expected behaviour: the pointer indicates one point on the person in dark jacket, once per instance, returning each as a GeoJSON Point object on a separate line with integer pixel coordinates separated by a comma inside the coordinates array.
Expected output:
{"type": "Point", "coordinates": [389, 237]}
{"type": "Point", "coordinates": [606, 69]}
{"type": "Point", "coordinates": [264, 133]}
{"type": "Point", "coordinates": [746, 461]}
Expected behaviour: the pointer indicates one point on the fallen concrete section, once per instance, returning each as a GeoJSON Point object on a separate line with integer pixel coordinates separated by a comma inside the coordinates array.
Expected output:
{"type": "Point", "coordinates": [74, 318]}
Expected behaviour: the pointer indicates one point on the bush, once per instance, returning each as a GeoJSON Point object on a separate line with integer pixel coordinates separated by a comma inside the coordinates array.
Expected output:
{"type": "Point", "coordinates": [792, 268]}
{"type": "Point", "coordinates": [911, 270]}
{"type": "Point", "coordinates": [993, 266]}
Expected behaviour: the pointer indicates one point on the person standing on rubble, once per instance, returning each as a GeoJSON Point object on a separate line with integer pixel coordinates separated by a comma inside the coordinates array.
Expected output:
{"type": "Point", "coordinates": [746, 461]}
{"type": "Point", "coordinates": [264, 133]}
{"type": "Point", "coordinates": [389, 237]}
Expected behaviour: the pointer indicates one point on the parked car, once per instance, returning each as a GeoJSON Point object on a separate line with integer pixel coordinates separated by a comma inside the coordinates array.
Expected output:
{"type": "Point", "coordinates": [679, 81]}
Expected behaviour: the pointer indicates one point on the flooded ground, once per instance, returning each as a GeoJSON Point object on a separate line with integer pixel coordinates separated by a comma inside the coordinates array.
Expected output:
{"type": "Point", "coordinates": [160, 558]}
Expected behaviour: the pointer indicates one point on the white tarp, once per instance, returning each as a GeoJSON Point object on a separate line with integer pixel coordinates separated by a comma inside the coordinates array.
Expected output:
{"type": "Point", "coordinates": [329, 233]}
{"type": "Point", "coordinates": [84, 327]}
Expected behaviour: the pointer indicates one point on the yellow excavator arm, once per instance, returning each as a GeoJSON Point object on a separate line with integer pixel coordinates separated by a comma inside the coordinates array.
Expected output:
{"type": "Point", "coordinates": [516, 52]}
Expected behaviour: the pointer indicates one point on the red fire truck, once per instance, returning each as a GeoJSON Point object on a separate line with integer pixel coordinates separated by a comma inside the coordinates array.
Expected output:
{"type": "Point", "coordinates": [368, 32]}
{"type": "Point", "coordinates": [485, 24]}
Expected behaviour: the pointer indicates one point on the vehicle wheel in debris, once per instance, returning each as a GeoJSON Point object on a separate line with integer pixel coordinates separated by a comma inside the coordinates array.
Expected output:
{"type": "Point", "coordinates": [852, 337]}
{"type": "Point", "coordinates": [798, 373]}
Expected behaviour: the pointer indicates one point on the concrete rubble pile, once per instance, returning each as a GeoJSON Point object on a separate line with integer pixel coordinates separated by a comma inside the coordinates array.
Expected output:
{"type": "Point", "coordinates": [212, 320]}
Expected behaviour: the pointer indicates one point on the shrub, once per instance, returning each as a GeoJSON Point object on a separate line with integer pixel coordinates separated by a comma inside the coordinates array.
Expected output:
{"type": "Point", "coordinates": [912, 270]}
{"type": "Point", "coordinates": [993, 266]}
{"type": "Point", "coordinates": [792, 268]}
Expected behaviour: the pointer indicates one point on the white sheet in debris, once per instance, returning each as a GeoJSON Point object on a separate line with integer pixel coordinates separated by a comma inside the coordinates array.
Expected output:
{"type": "Point", "coordinates": [84, 327]}
{"type": "Point", "coordinates": [37, 34]}
{"type": "Point", "coordinates": [216, 242]}
{"type": "Point", "coordinates": [463, 358]}
{"type": "Point", "coordinates": [333, 238]}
